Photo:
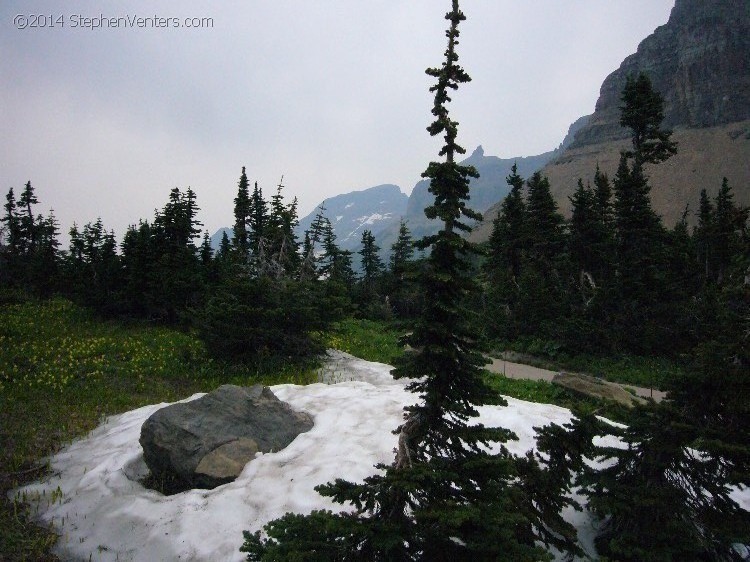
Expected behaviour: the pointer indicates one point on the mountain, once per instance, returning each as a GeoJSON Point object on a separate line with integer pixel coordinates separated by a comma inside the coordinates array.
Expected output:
{"type": "Point", "coordinates": [376, 209]}
{"type": "Point", "coordinates": [218, 235]}
{"type": "Point", "coordinates": [486, 190]}
{"type": "Point", "coordinates": [700, 62]}
{"type": "Point", "coordinates": [381, 208]}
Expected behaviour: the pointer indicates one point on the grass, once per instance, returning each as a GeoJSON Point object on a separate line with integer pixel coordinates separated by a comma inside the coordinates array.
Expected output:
{"type": "Point", "coordinates": [544, 392]}
{"type": "Point", "coordinates": [62, 371]}
{"type": "Point", "coordinates": [370, 340]}
{"type": "Point", "coordinates": [378, 341]}
{"type": "Point", "coordinates": [648, 372]}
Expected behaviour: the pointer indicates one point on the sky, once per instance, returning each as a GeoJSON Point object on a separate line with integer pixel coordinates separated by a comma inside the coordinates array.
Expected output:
{"type": "Point", "coordinates": [330, 94]}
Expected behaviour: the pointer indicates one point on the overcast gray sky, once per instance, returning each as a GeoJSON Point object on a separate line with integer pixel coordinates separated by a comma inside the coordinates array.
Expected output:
{"type": "Point", "coordinates": [330, 93]}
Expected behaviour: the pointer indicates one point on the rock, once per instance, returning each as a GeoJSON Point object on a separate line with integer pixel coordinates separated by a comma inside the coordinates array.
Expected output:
{"type": "Point", "coordinates": [227, 460]}
{"type": "Point", "coordinates": [698, 61]}
{"type": "Point", "coordinates": [207, 442]}
{"type": "Point", "coordinates": [591, 386]}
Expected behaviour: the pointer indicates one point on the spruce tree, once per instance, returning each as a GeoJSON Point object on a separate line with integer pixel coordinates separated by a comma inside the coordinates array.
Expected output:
{"type": "Point", "coordinates": [508, 238]}
{"type": "Point", "coordinates": [241, 237]}
{"type": "Point", "coordinates": [725, 227]}
{"type": "Point", "coordinates": [402, 252]}
{"type": "Point", "coordinates": [370, 261]}
{"type": "Point", "coordinates": [666, 494]}
{"type": "Point", "coordinates": [703, 235]}
{"type": "Point", "coordinates": [258, 221]}
{"type": "Point", "coordinates": [401, 292]}
{"type": "Point", "coordinates": [507, 249]}
{"type": "Point", "coordinates": [643, 112]}
{"type": "Point", "coordinates": [445, 497]}
{"type": "Point", "coordinates": [10, 252]}
{"type": "Point", "coordinates": [544, 223]}
{"type": "Point", "coordinates": [584, 229]}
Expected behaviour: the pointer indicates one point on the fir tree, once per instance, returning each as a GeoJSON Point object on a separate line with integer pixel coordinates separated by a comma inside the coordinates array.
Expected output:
{"type": "Point", "coordinates": [508, 238]}
{"type": "Point", "coordinates": [725, 226]}
{"type": "Point", "coordinates": [507, 248]}
{"type": "Point", "coordinates": [371, 263]}
{"type": "Point", "coordinates": [402, 294]}
{"type": "Point", "coordinates": [402, 252]}
{"type": "Point", "coordinates": [444, 497]}
{"type": "Point", "coordinates": [242, 209]}
{"type": "Point", "coordinates": [703, 234]}
{"type": "Point", "coordinates": [206, 252]}
{"type": "Point", "coordinates": [258, 220]}
{"type": "Point", "coordinates": [643, 112]}
{"type": "Point", "coordinates": [544, 222]}
{"type": "Point", "coordinates": [224, 247]}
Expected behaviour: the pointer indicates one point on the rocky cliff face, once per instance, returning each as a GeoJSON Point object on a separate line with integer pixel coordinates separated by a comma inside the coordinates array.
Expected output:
{"type": "Point", "coordinates": [699, 61]}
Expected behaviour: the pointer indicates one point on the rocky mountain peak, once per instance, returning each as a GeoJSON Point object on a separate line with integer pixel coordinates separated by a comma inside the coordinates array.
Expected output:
{"type": "Point", "coordinates": [699, 61]}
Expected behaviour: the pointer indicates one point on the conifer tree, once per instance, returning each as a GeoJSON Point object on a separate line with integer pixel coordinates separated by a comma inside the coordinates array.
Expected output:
{"type": "Point", "coordinates": [445, 497]}
{"type": "Point", "coordinates": [27, 224]}
{"type": "Point", "coordinates": [10, 252]}
{"type": "Point", "coordinates": [206, 251]}
{"type": "Point", "coordinates": [643, 112]}
{"type": "Point", "coordinates": [544, 222]}
{"type": "Point", "coordinates": [402, 252]}
{"type": "Point", "coordinates": [508, 238]}
{"type": "Point", "coordinates": [725, 226]}
{"type": "Point", "coordinates": [242, 209]}
{"type": "Point", "coordinates": [703, 234]}
{"type": "Point", "coordinates": [258, 219]}
{"type": "Point", "coordinates": [224, 247]}
{"type": "Point", "coordinates": [401, 293]}
{"type": "Point", "coordinates": [666, 495]}
{"type": "Point", "coordinates": [583, 227]}
{"type": "Point", "coordinates": [372, 264]}
{"type": "Point", "coordinates": [541, 286]}
{"type": "Point", "coordinates": [507, 249]}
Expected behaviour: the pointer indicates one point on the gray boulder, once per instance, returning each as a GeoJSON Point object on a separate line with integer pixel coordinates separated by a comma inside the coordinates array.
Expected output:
{"type": "Point", "coordinates": [207, 442]}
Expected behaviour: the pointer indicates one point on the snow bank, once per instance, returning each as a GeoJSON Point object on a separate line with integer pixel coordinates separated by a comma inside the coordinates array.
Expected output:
{"type": "Point", "coordinates": [102, 512]}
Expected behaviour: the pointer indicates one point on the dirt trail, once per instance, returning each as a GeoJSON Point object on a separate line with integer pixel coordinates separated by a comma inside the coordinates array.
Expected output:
{"type": "Point", "coordinates": [520, 371]}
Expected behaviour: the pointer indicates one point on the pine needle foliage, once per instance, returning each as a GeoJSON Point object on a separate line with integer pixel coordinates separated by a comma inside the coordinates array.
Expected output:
{"type": "Point", "coordinates": [454, 491]}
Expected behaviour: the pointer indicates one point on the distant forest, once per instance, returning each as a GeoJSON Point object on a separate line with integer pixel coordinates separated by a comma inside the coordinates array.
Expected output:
{"type": "Point", "coordinates": [612, 279]}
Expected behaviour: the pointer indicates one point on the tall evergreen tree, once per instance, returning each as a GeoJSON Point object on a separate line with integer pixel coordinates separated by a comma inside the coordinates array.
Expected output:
{"type": "Point", "coordinates": [367, 292]}
{"type": "Point", "coordinates": [402, 252]}
{"type": "Point", "coordinates": [258, 220]}
{"type": "Point", "coordinates": [372, 264]}
{"type": "Point", "coordinates": [444, 497]}
{"type": "Point", "coordinates": [508, 238]}
{"type": "Point", "coordinates": [507, 249]}
{"type": "Point", "coordinates": [643, 112]}
{"type": "Point", "coordinates": [704, 235]}
{"type": "Point", "coordinates": [401, 291]}
{"type": "Point", "coordinates": [544, 223]}
{"type": "Point", "coordinates": [725, 228]}
{"type": "Point", "coordinates": [242, 209]}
